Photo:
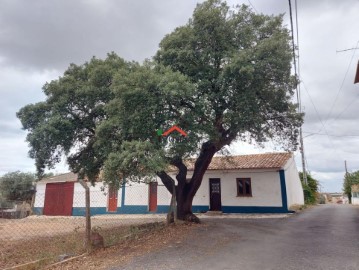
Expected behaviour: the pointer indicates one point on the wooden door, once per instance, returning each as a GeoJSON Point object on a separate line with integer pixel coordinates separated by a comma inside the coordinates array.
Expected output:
{"type": "Point", "coordinates": [112, 199]}
{"type": "Point", "coordinates": [152, 197]}
{"type": "Point", "coordinates": [58, 199]}
{"type": "Point", "coordinates": [215, 194]}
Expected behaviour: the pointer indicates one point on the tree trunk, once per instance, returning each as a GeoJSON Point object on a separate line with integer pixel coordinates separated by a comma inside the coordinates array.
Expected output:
{"type": "Point", "coordinates": [184, 207]}
{"type": "Point", "coordinates": [186, 190]}
{"type": "Point", "coordinates": [172, 212]}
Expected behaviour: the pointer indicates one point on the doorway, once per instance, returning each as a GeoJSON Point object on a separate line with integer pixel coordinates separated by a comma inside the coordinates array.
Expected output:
{"type": "Point", "coordinates": [215, 194]}
{"type": "Point", "coordinates": [112, 199]}
{"type": "Point", "coordinates": [58, 199]}
{"type": "Point", "coordinates": [152, 197]}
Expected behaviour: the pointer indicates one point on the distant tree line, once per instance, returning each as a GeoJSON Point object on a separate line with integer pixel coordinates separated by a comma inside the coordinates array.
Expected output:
{"type": "Point", "coordinates": [18, 186]}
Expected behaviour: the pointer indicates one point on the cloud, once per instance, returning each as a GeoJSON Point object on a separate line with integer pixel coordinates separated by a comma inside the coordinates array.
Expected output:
{"type": "Point", "coordinates": [52, 34]}
{"type": "Point", "coordinates": [39, 39]}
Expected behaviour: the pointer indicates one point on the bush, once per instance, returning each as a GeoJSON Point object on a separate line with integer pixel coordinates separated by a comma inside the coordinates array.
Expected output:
{"type": "Point", "coordinates": [310, 190]}
{"type": "Point", "coordinates": [17, 186]}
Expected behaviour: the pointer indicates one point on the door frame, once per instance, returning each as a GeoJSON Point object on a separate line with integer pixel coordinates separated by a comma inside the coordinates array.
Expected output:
{"type": "Point", "coordinates": [112, 191]}
{"type": "Point", "coordinates": [211, 204]}
{"type": "Point", "coordinates": [59, 193]}
{"type": "Point", "coordinates": [152, 197]}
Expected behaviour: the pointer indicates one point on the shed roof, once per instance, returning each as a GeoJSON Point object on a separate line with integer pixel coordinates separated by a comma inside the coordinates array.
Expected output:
{"type": "Point", "coordinates": [65, 177]}
{"type": "Point", "coordinates": [254, 161]}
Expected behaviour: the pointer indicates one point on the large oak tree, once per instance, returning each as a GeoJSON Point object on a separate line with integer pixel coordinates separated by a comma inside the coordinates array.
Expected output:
{"type": "Point", "coordinates": [239, 67]}
{"type": "Point", "coordinates": [222, 77]}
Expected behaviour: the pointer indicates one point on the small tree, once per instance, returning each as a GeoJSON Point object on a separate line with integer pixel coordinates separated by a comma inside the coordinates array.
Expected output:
{"type": "Point", "coordinates": [17, 186]}
{"type": "Point", "coordinates": [310, 189]}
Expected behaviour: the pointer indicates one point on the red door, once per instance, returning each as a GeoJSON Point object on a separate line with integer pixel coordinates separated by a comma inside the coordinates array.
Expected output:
{"type": "Point", "coordinates": [112, 199]}
{"type": "Point", "coordinates": [58, 199]}
{"type": "Point", "coordinates": [152, 202]}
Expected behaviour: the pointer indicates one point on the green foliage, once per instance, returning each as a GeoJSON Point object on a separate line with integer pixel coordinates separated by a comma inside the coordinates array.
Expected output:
{"type": "Point", "coordinates": [224, 76]}
{"type": "Point", "coordinates": [17, 186]}
{"type": "Point", "coordinates": [349, 180]}
{"type": "Point", "coordinates": [240, 63]}
{"type": "Point", "coordinates": [66, 122]}
{"type": "Point", "coordinates": [310, 190]}
{"type": "Point", "coordinates": [137, 160]}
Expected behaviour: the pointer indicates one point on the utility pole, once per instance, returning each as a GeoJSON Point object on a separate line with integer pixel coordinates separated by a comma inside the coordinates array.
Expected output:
{"type": "Point", "coordinates": [297, 75]}
{"type": "Point", "coordinates": [346, 183]}
{"type": "Point", "coordinates": [305, 180]}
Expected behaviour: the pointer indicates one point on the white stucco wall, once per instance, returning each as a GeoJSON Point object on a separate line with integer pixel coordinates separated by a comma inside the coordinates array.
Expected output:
{"type": "Point", "coordinates": [355, 200]}
{"type": "Point", "coordinates": [40, 195]}
{"type": "Point", "coordinates": [294, 188]}
{"type": "Point", "coordinates": [266, 189]}
{"type": "Point", "coordinates": [163, 196]}
{"type": "Point", "coordinates": [136, 194]}
{"type": "Point", "coordinates": [98, 198]}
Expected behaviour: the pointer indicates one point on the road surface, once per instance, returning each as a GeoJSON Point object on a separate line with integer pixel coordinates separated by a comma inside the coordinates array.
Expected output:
{"type": "Point", "coordinates": [324, 237]}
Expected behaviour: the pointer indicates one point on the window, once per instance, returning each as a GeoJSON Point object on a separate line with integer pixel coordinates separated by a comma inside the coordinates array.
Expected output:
{"type": "Point", "coordinates": [244, 187]}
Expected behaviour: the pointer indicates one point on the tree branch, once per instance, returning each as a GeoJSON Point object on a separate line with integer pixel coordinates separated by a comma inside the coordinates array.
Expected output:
{"type": "Point", "coordinates": [166, 180]}
{"type": "Point", "coordinates": [205, 157]}
{"type": "Point", "coordinates": [182, 170]}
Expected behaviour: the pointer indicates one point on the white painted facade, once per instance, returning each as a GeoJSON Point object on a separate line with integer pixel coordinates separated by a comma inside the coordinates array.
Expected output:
{"type": "Point", "coordinates": [295, 195]}
{"type": "Point", "coordinates": [355, 200]}
{"type": "Point", "coordinates": [98, 196]}
{"type": "Point", "coordinates": [272, 190]}
{"type": "Point", "coordinates": [266, 189]}
{"type": "Point", "coordinates": [355, 194]}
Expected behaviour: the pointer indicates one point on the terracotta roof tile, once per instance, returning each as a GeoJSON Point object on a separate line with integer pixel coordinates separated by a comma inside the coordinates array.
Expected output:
{"type": "Point", "coordinates": [65, 177]}
{"type": "Point", "coordinates": [256, 161]}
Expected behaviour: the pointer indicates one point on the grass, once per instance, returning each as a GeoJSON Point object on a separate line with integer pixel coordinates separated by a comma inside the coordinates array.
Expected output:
{"type": "Point", "coordinates": [48, 249]}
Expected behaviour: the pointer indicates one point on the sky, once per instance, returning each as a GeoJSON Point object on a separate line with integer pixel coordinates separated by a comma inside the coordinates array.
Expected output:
{"type": "Point", "coordinates": [39, 39]}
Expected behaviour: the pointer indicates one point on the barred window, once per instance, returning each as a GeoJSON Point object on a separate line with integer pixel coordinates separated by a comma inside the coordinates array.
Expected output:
{"type": "Point", "coordinates": [244, 187]}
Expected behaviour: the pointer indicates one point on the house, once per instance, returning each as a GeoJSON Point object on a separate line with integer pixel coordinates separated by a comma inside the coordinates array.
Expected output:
{"type": "Point", "coordinates": [260, 183]}
{"type": "Point", "coordinates": [335, 197]}
{"type": "Point", "coordinates": [355, 194]}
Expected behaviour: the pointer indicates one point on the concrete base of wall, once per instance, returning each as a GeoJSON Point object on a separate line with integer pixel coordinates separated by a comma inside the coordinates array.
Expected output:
{"type": "Point", "coordinates": [143, 209]}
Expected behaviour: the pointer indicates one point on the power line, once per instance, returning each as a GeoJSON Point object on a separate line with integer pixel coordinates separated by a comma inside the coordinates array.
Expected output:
{"type": "Point", "coordinates": [253, 6]}
{"type": "Point", "coordinates": [342, 84]}
{"type": "Point", "coordinates": [320, 119]}
{"type": "Point", "coordinates": [347, 49]}
{"type": "Point", "coordinates": [330, 135]}
{"type": "Point", "coordinates": [311, 101]}
{"type": "Point", "coordinates": [347, 107]}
